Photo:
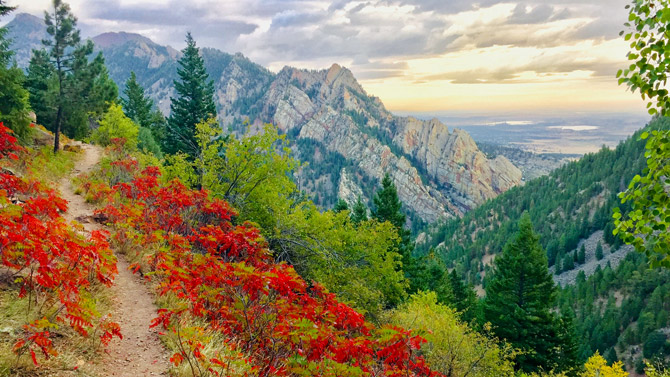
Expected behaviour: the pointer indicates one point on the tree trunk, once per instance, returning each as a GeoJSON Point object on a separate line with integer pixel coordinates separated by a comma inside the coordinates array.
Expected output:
{"type": "Point", "coordinates": [57, 131]}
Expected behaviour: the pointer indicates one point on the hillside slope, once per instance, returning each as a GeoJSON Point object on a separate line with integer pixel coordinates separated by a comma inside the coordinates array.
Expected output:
{"type": "Point", "coordinates": [335, 126]}
{"type": "Point", "coordinates": [620, 305]}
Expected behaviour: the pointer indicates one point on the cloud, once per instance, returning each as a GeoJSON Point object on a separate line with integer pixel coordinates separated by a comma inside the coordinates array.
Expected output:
{"type": "Point", "coordinates": [541, 68]}
{"type": "Point", "coordinates": [523, 15]}
{"type": "Point", "coordinates": [457, 41]}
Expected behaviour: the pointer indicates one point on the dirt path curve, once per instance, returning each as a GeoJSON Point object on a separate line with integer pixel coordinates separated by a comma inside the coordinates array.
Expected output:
{"type": "Point", "coordinates": [140, 352]}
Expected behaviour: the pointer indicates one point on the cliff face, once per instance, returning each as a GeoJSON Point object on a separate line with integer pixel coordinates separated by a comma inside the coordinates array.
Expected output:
{"type": "Point", "coordinates": [454, 161]}
{"type": "Point", "coordinates": [439, 174]}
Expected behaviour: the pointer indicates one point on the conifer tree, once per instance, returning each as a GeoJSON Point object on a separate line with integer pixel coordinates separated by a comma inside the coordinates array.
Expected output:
{"type": "Point", "coordinates": [388, 207]}
{"type": "Point", "coordinates": [140, 108]}
{"type": "Point", "coordinates": [519, 299]}
{"type": "Point", "coordinates": [581, 255]}
{"type": "Point", "coordinates": [568, 353]}
{"type": "Point", "coordinates": [340, 206]}
{"type": "Point", "coordinates": [61, 26]}
{"type": "Point", "coordinates": [194, 103]}
{"type": "Point", "coordinates": [14, 106]}
{"type": "Point", "coordinates": [465, 298]}
{"type": "Point", "coordinates": [360, 212]}
{"type": "Point", "coordinates": [66, 86]}
{"type": "Point", "coordinates": [599, 251]}
{"type": "Point", "coordinates": [136, 105]}
{"type": "Point", "coordinates": [568, 263]}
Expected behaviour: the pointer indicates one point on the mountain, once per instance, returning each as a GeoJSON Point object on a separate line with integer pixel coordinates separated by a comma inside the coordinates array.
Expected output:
{"type": "Point", "coordinates": [620, 304]}
{"type": "Point", "coordinates": [26, 32]}
{"type": "Point", "coordinates": [334, 126]}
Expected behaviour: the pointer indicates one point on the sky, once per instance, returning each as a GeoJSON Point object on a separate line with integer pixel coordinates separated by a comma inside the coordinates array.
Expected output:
{"type": "Point", "coordinates": [423, 56]}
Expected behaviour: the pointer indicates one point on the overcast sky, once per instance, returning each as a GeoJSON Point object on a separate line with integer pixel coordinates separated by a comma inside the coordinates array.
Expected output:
{"type": "Point", "coordinates": [417, 55]}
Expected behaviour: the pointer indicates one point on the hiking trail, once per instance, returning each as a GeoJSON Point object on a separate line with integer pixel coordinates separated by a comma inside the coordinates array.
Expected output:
{"type": "Point", "coordinates": [140, 352]}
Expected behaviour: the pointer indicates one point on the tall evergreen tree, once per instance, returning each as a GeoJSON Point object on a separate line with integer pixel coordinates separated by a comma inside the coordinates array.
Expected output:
{"type": "Point", "coordinates": [194, 104]}
{"type": "Point", "coordinates": [340, 206]}
{"type": "Point", "coordinates": [14, 106]}
{"type": "Point", "coordinates": [136, 105]}
{"type": "Point", "coordinates": [465, 298]}
{"type": "Point", "coordinates": [141, 109]}
{"type": "Point", "coordinates": [359, 212]}
{"type": "Point", "coordinates": [388, 207]}
{"type": "Point", "coordinates": [61, 26]}
{"type": "Point", "coordinates": [67, 87]}
{"type": "Point", "coordinates": [581, 255]}
{"type": "Point", "coordinates": [568, 262]}
{"type": "Point", "coordinates": [519, 299]}
{"type": "Point", "coordinates": [568, 353]}
{"type": "Point", "coordinates": [599, 251]}
{"type": "Point", "coordinates": [41, 87]}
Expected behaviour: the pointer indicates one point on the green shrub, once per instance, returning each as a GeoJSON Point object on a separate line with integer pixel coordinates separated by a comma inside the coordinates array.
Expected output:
{"type": "Point", "coordinates": [115, 124]}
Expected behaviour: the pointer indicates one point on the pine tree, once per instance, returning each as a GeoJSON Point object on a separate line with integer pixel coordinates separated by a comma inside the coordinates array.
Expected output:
{"type": "Point", "coordinates": [140, 108]}
{"type": "Point", "coordinates": [559, 263]}
{"type": "Point", "coordinates": [465, 298]}
{"type": "Point", "coordinates": [340, 206]}
{"type": "Point", "coordinates": [136, 105]}
{"type": "Point", "coordinates": [360, 212]}
{"type": "Point", "coordinates": [67, 88]}
{"type": "Point", "coordinates": [388, 207]}
{"type": "Point", "coordinates": [568, 354]}
{"type": "Point", "coordinates": [599, 251]}
{"type": "Point", "coordinates": [433, 276]}
{"type": "Point", "coordinates": [581, 255]}
{"type": "Point", "coordinates": [387, 204]}
{"type": "Point", "coordinates": [14, 106]}
{"type": "Point", "coordinates": [194, 104]}
{"type": "Point", "coordinates": [61, 26]}
{"type": "Point", "coordinates": [568, 263]}
{"type": "Point", "coordinates": [520, 297]}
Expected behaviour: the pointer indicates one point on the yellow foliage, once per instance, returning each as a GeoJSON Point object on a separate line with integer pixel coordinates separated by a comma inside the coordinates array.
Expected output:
{"type": "Point", "coordinates": [596, 366]}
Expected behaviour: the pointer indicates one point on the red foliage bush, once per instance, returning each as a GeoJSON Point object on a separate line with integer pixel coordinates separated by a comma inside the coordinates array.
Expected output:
{"type": "Point", "coordinates": [224, 275]}
{"type": "Point", "coordinates": [52, 265]}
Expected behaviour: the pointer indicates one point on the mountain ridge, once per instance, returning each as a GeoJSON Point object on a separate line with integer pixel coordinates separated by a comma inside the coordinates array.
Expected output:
{"type": "Point", "coordinates": [439, 174]}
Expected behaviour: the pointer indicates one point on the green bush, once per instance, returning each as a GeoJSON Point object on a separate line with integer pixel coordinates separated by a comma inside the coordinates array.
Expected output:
{"type": "Point", "coordinates": [147, 143]}
{"type": "Point", "coordinates": [115, 124]}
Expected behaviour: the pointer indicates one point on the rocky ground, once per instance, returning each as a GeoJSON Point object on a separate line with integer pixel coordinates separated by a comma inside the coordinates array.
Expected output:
{"type": "Point", "coordinates": [591, 262]}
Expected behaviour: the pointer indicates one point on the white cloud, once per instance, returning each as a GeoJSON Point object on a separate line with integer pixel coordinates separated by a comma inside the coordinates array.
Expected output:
{"type": "Point", "coordinates": [507, 47]}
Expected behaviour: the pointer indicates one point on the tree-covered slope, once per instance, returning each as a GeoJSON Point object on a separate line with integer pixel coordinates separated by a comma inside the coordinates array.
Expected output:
{"type": "Point", "coordinates": [621, 310]}
{"type": "Point", "coordinates": [565, 206]}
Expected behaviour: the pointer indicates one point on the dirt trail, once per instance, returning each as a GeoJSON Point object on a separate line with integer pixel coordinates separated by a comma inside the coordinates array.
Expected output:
{"type": "Point", "coordinates": [140, 353]}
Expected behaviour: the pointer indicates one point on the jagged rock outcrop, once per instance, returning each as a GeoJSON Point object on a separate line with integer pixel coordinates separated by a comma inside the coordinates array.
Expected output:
{"type": "Point", "coordinates": [454, 161]}
{"type": "Point", "coordinates": [331, 107]}
{"type": "Point", "coordinates": [438, 173]}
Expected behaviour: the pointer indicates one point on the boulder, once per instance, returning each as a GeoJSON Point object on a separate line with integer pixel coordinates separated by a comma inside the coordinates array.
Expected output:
{"type": "Point", "coordinates": [42, 137]}
{"type": "Point", "coordinates": [76, 148]}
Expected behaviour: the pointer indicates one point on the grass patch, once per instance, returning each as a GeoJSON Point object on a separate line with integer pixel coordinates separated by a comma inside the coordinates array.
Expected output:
{"type": "Point", "coordinates": [77, 356]}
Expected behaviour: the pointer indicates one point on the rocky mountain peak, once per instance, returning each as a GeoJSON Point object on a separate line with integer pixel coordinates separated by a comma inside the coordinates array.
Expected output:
{"type": "Point", "coordinates": [107, 40]}
{"type": "Point", "coordinates": [26, 32]}
{"type": "Point", "coordinates": [28, 19]}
